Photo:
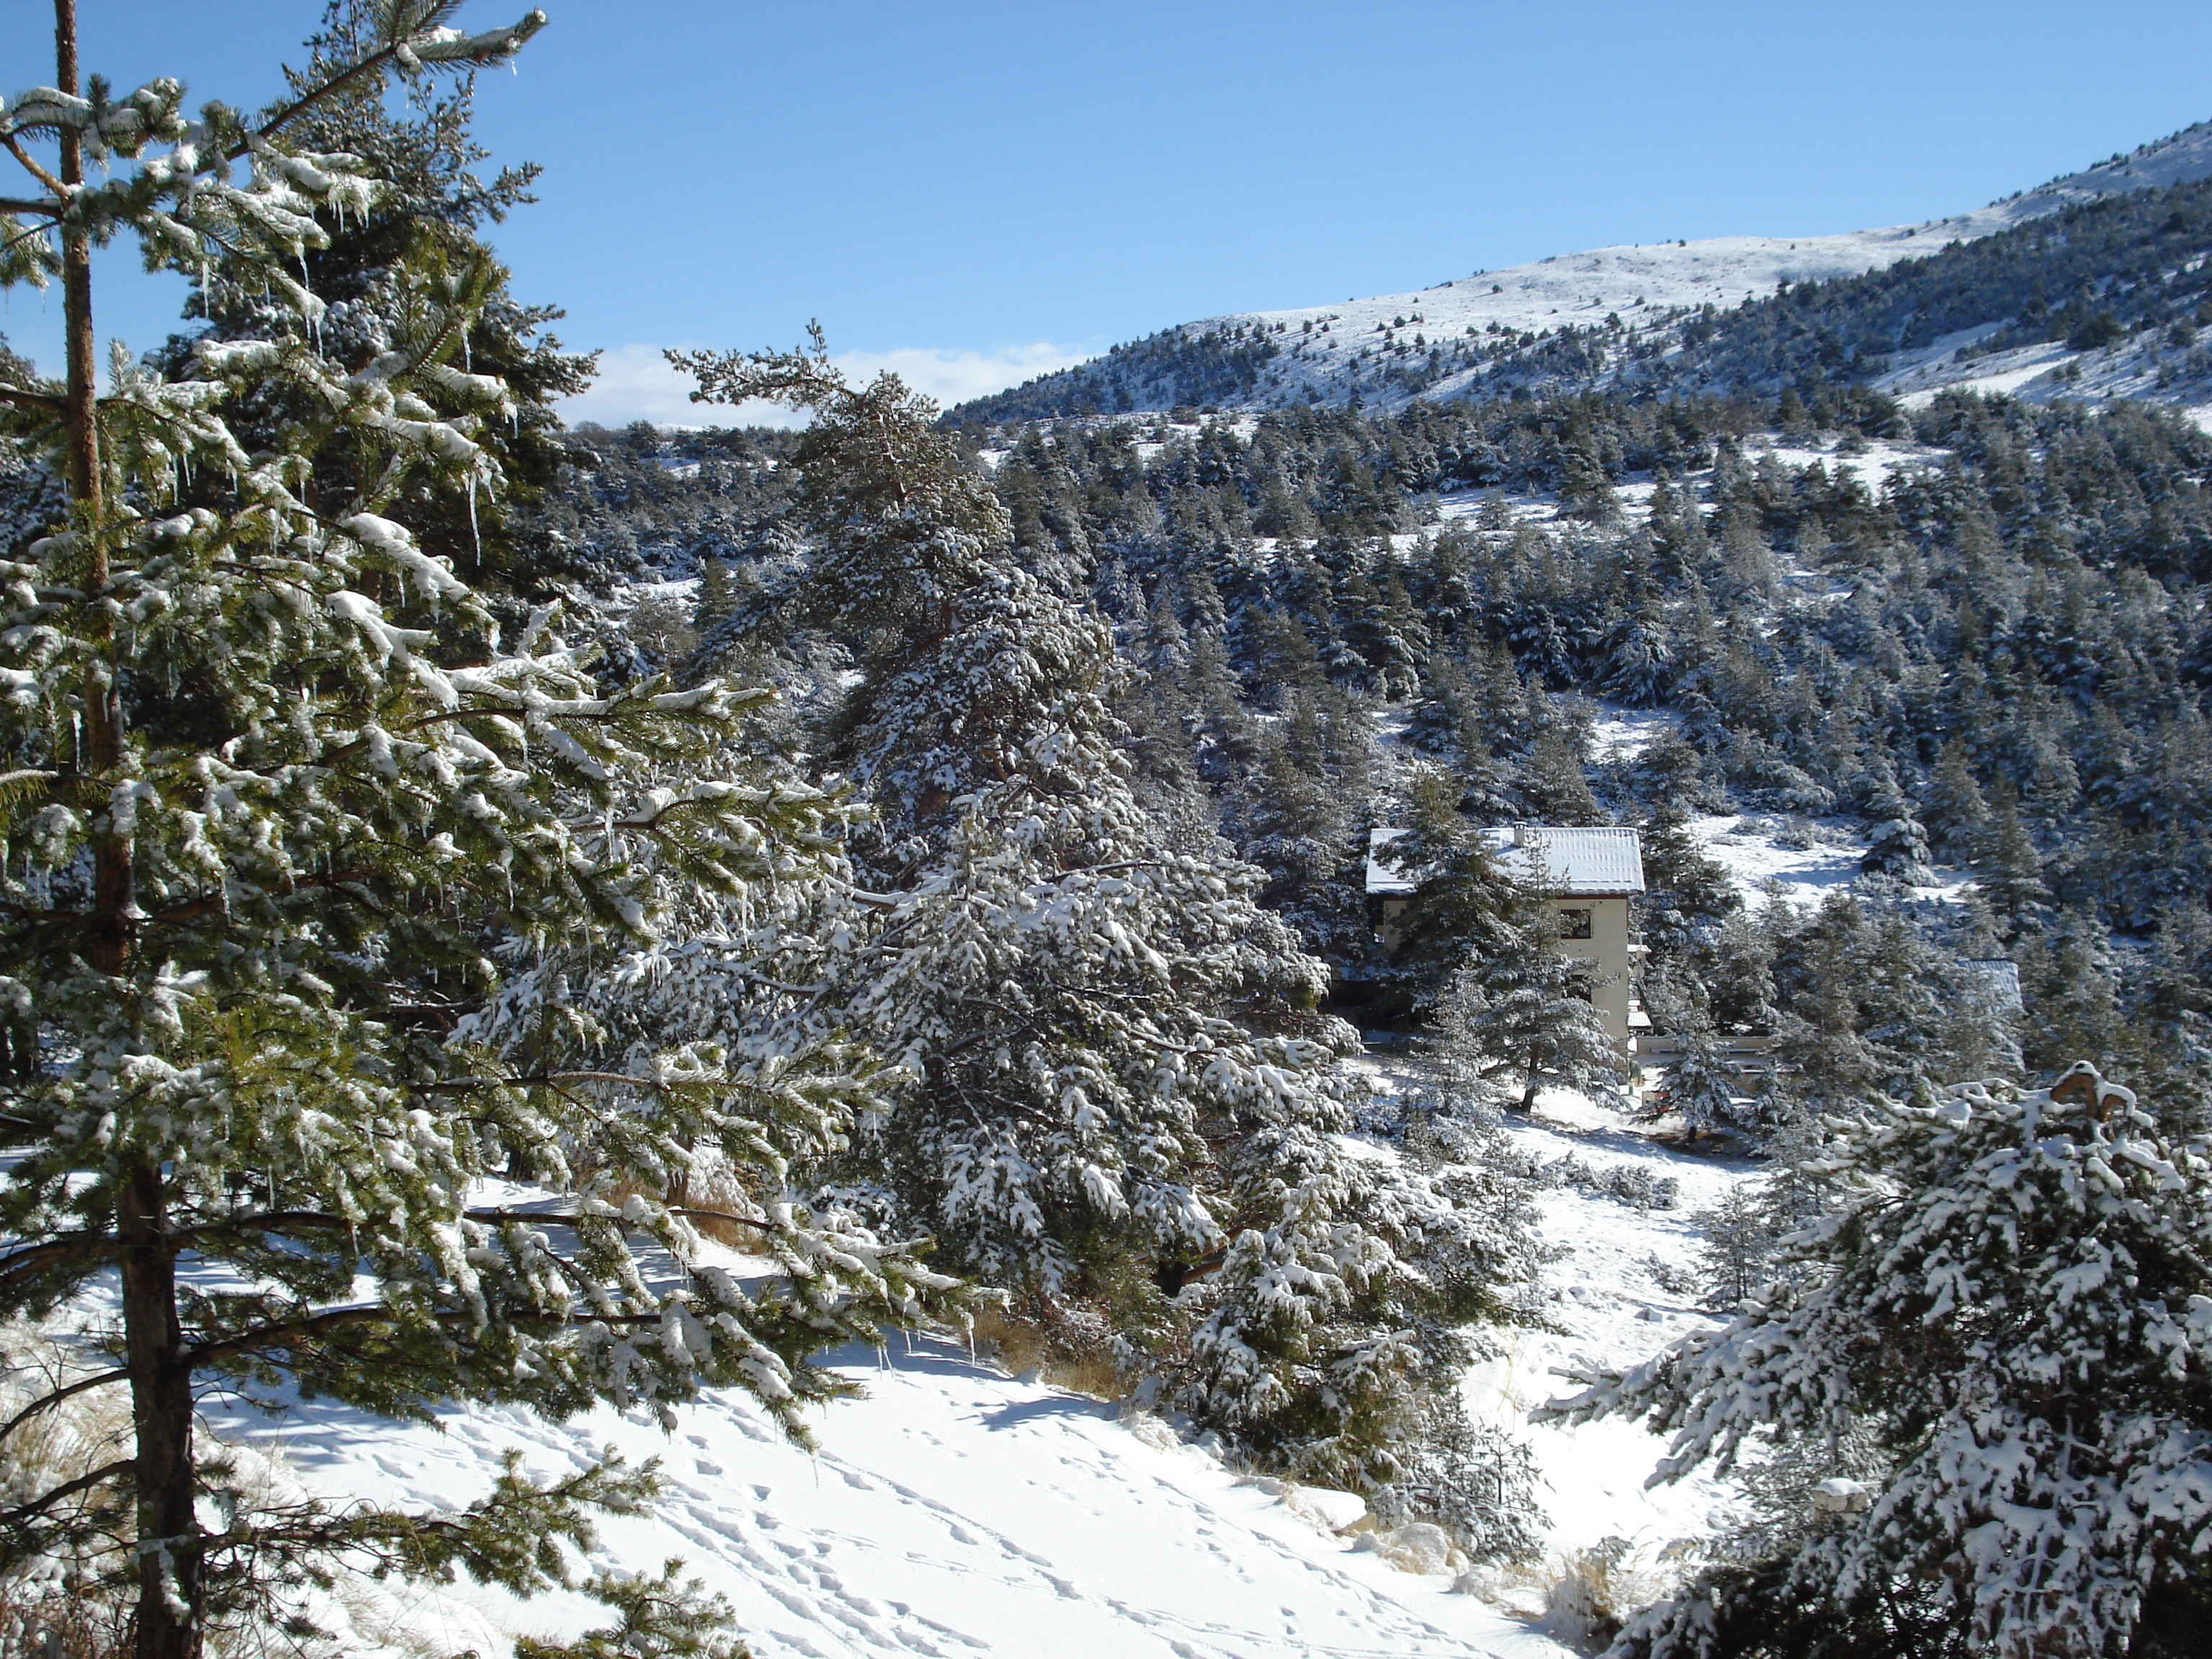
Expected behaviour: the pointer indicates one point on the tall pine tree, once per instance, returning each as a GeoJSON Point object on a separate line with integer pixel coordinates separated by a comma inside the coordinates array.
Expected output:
{"type": "Point", "coordinates": [1119, 1100]}
{"type": "Point", "coordinates": [274, 852]}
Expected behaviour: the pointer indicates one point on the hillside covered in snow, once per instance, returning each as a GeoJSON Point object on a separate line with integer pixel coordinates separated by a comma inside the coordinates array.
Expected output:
{"type": "Point", "coordinates": [783, 1038]}
{"type": "Point", "coordinates": [959, 1510]}
{"type": "Point", "coordinates": [1610, 315]}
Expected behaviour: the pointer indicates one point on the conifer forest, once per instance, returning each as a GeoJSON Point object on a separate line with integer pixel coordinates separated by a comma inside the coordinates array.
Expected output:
{"type": "Point", "coordinates": [511, 923]}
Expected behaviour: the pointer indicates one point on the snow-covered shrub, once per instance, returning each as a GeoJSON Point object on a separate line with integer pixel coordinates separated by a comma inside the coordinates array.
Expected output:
{"type": "Point", "coordinates": [2003, 1326]}
{"type": "Point", "coordinates": [1475, 1480]}
{"type": "Point", "coordinates": [1672, 1277]}
{"type": "Point", "coordinates": [1636, 1185]}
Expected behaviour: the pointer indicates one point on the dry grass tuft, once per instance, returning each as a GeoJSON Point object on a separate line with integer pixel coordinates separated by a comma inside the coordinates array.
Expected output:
{"type": "Point", "coordinates": [1065, 1353]}
{"type": "Point", "coordinates": [72, 1601]}
{"type": "Point", "coordinates": [1592, 1593]}
{"type": "Point", "coordinates": [708, 1186]}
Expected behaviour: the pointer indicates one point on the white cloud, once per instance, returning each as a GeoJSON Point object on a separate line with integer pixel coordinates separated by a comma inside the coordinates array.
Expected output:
{"type": "Point", "coordinates": [637, 384]}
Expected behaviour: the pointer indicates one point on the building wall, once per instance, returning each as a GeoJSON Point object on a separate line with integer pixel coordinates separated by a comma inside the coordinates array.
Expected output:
{"type": "Point", "coordinates": [1607, 951]}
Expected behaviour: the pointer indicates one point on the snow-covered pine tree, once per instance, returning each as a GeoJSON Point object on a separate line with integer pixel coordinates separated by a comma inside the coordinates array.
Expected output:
{"type": "Point", "coordinates": [1463, 906]}
{"type": "Point", "coordinates": [1956, 812]}
{"type": "Point", "coordinates": [1516, 1018]}
{"type": "Point", "coordinates": [1690, 895]}
{"type": "Point", "coordinates": [2005, 1318]}
{"type": "Point", "coordinates": [2170, 1019]}
{"type": "Point", "coordinates": [2009, 871]}
{"type": "Point", "coordinates": [1700, 1085]}
{"type": "Point", "coordinates": [1737, 1246]}
{"type": "Point", "coordinates": [1294, 820]}
{"type": "Point", "coordinates": [1119, 1099]}
{"type": "Point", "coordinates": [1897, 845]}
{"type": "Point", "coordinates": [379, 268]}
{"type": "Point", "coordinates": [1057, 979]}
{"type": "Point", "coordinates": [269, 855]}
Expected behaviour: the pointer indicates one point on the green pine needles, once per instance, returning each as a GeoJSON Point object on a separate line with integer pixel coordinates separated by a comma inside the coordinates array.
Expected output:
{"type": "Point", "coordinates": [289, 831]}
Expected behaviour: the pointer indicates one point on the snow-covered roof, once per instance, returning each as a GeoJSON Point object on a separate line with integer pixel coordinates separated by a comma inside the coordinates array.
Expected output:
{"type": "Point", "coordinates": [1384, 877]}
{"type": "Point", "coordinates": [1567, 863]}
{"type": "Point", "coordinates": [1571, 863]}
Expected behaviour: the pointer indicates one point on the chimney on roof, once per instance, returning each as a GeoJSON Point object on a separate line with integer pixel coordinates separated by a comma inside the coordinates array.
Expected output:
{"type": "Point", "coordinates": [1520, 835]}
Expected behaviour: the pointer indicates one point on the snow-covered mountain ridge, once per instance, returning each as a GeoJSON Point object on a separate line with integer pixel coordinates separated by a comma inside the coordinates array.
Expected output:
{"type": "Point", "coordinates": [1428, 336]}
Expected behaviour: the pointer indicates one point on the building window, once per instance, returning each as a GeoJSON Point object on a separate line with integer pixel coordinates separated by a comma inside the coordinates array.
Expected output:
{"type": "Point", "coordinates": [1574, 924]}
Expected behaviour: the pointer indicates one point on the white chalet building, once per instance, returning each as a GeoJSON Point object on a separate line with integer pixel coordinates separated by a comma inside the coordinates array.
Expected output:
{"type": "Point", "coordinates": [1589, 876]}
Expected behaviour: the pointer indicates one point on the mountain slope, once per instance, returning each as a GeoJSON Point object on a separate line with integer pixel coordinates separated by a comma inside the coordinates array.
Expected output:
{"type": "Point", "coordinates": [1566, 318]}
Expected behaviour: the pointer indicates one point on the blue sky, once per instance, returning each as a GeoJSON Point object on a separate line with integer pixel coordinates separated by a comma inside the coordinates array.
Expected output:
{"type": "Point", "coordinates": [976, 191]}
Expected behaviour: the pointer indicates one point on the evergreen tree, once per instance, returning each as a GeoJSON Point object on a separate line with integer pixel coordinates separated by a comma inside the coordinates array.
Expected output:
{"type": "Point", "coordinates": [1740, 987]}
{"type": "Point", "coordinates": [2035, 1481]}
{"type": "Point", "coordinates": [2072, 991]}
{"type": "Point", "coordinates": [1553, 780]}
{"type": "Point", "coordinates": [1517, 1017]}
{"type": "Point", "coordinates": [1956, 812]}
{"type": "Point", "coordinates": [1687, 896]}
{"type": "Point", "coordinates": [1700, 1085]}
{"type": "Point", "coordinates": [274, 854]}
{"type": "Point", "coordinates": [1897, 846]}
{"type": "Point", "coordinates": [376, 275]}
{"type": "Point", "coordinates": [1293, 819]}
{"type": "Point", "coordinates": [718, 597]}
{"type": "Point", "coordinates": [2010, 873]}
{"type": "Point", "coordinates": [1462, 904]}
{"type": "Point", "coordinates": [1118, 1095]}
{"type": "Point", "coordinates": [1741, 1235]}
{"type": "Point", "coordinates": [2169, 1004]}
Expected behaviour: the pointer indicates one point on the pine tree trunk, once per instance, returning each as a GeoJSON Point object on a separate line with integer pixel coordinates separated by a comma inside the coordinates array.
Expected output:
{"type": "Point", "coordinates": [167, 1619]}
{"type": "Point", "coordinates": [110, 942]}
{"type": "Point", "coordinates": [162, 1411]}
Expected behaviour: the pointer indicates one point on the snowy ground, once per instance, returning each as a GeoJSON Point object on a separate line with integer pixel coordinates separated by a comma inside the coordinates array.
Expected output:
{"type": "Point", "coordinates": [1769, 860]}
{"type": "Point", "coordinates": [954, 1511]}
{"type": "Point", "coordinates": [1608, 1293]}
{"type": "Point", "coordinates": [1615, 1292]}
